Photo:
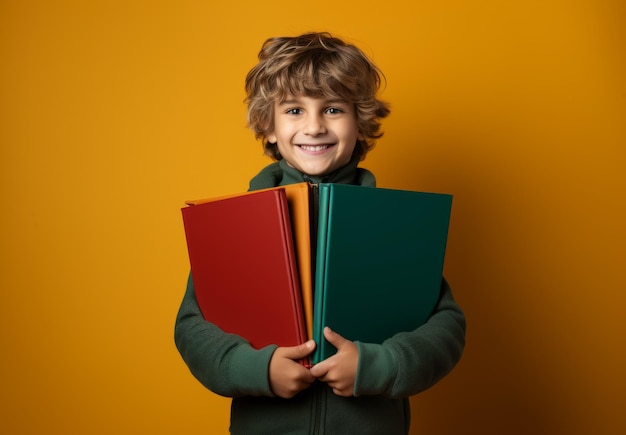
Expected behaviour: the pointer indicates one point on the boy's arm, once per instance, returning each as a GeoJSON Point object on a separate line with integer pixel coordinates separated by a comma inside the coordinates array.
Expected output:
{"type": "Point", "coordinates": [410, 362]}
{"type": "Point", "coordinates": [224, 363]}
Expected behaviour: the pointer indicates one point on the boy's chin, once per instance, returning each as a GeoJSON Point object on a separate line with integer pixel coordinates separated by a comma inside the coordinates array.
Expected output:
{"type": "Point", "coordinates": [317, 172]}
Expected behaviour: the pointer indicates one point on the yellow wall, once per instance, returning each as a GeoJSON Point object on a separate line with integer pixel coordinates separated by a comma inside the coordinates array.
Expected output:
{"type": "Point", "coordinates": [112, 113]}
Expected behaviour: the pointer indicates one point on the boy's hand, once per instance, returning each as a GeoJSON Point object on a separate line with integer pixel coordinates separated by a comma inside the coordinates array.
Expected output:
{"type": "Point", "coordinates": [339, 370]}
{"type": "Point", "coordinates": [288, 377]}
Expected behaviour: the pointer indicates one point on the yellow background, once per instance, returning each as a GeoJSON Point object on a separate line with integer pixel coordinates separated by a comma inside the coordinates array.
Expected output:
{"type": "Point", "coordinates": [112, 113]}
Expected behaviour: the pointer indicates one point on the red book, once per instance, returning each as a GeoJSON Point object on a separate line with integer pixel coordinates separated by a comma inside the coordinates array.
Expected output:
{"type": "Point", "coordinates": [244, 268]}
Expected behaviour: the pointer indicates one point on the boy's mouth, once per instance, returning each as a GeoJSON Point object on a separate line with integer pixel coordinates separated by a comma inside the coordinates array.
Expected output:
{"type": "Point", "coordinates": [314, 148]}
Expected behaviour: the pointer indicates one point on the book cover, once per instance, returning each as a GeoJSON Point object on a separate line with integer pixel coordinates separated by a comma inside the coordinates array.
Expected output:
{"type": "Point", "coordinates": [243, 266]}
{"type": "Point", "coordinates": [379, 265]}
{"type": "Point", "coordinates": [298, 198]}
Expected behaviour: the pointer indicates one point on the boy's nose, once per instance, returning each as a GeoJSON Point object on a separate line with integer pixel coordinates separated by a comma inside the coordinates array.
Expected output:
{"type": "Point", "coordinates": [314, 126]}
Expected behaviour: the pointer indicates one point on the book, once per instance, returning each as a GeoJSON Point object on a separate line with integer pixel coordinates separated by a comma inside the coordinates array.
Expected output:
{"type": "Point", "coordinates": [379, 262]}
{"type": "Point", "coordinates": [244, 268]}
{"type": "Point", "coordinates": [298, 199]}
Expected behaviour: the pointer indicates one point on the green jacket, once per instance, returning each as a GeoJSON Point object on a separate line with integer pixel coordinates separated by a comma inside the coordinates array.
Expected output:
{"type": "Point", "coordinates": [387, 373]}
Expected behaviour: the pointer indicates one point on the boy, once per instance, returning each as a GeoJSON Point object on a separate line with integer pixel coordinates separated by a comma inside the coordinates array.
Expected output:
{"type": "Point", "coordinates": [312, 101]}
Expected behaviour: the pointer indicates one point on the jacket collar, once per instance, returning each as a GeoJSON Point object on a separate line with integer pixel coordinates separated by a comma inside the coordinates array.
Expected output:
{"type": "Point", "coordinates": [280, 174]}
{"type": "Point", "coordinates": [347, 174]}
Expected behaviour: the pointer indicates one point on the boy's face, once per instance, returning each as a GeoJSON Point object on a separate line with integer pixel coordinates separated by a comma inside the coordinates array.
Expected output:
{"type": "Point", "coordinates": [315, 135]}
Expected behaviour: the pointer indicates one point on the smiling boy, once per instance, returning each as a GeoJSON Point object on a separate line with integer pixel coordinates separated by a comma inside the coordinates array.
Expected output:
{"type": "Point", "coordinates": [312, 101]}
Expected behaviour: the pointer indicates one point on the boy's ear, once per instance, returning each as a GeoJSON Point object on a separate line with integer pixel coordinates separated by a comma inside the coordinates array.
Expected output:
{"type": "Point", "coordinates": [271, 137]}
{"type": "Point", "coordinates": [360, 137]}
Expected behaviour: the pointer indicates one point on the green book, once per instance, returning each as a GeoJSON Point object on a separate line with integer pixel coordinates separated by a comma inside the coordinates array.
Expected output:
{"type": "Point", "coordinates": [379, 261]}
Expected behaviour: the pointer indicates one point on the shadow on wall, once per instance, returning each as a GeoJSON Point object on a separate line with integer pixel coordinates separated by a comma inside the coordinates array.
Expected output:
{"type": "Point", "coordinates": [510, 379]}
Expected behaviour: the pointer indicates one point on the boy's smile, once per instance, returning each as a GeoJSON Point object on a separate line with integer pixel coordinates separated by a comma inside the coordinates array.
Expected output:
{"type": "Point", "coordinates": [315, 135]}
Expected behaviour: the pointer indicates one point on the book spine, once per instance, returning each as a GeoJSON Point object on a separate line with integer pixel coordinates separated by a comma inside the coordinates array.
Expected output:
{"type": "Point", "coordinates": [320, 272]}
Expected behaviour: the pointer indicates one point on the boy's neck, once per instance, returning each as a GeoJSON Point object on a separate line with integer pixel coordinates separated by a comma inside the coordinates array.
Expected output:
{"type": "Point", "coordinates": [345, 174]}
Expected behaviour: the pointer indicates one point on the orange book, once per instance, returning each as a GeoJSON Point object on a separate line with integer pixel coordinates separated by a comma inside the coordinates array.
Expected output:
{"type": "Point", "coordinates": [243, 266]}
{"type": "Point", "coordinates": [298, 199]}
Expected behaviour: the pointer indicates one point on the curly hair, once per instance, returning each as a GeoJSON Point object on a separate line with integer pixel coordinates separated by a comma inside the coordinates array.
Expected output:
{"type": "Point", "coordinates": [314, 65]}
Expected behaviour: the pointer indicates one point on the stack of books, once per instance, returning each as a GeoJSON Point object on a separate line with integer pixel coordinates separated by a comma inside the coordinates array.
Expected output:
{"type": "Point", "coordinates": [276, 266]}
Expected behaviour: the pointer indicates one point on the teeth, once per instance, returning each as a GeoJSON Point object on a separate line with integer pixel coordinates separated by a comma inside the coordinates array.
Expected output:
{"type": "Point", "coordinates": [313, 147]}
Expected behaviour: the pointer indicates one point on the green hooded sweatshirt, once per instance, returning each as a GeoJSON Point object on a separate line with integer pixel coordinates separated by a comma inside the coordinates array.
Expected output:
{"type": "Point", "coordinates": [387, 374]}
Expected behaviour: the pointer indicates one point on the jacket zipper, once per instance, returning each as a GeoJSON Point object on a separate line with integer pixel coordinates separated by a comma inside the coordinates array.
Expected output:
{"type": "Point", "coordinates": [317, 411]}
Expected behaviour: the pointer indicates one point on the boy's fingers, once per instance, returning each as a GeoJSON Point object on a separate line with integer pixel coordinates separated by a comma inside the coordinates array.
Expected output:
{"type": "Point", "coordinates": [334, 338]}
{"type": "Point", "coordinates": [319, 370]}
{"type": "Point", "coordinates": [300, 351]}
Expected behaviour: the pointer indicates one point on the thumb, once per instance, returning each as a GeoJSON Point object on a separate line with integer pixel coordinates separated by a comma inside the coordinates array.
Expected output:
{"type": "Point", "coordinates": [299, 351]}
{"type": "Point", "coordinates": [334, 338]}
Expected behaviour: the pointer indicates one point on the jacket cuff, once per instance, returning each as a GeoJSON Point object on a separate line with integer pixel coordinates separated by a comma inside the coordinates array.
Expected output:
{"type": "Point", "coordinates": [376, 371]}
{"type": "Point", "coordinates": [250, 370]}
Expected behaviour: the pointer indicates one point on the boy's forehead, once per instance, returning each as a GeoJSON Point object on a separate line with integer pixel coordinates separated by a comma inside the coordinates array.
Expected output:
{"type": "Point", "coordinates": [290, 99]}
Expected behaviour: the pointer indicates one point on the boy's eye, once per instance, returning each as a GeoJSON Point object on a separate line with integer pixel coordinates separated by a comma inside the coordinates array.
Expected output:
{"type": "Point", "coordinates": [294, 111]}
{"type": "Point", "coordinates": [334, 110]}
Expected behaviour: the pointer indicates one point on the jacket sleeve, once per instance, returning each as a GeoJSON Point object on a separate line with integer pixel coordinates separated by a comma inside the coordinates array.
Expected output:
{"type": "Point", "coordinates": [410, 362]}
{"type": "Point", "coordinates": [224, 363]}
